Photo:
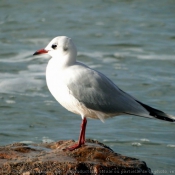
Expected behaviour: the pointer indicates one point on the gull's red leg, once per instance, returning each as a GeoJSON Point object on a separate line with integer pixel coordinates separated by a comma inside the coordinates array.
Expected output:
{"type": "Point", "coordinates": [83, 131]}
{"type": "Point", "coordinates": [81, 140]}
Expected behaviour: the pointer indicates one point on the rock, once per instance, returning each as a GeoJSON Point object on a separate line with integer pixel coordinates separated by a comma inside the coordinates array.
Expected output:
{"type": "Point", "coordinates": [54, 159]}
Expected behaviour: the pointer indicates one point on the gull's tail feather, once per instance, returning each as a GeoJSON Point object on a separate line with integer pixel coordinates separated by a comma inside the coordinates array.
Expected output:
{"type": "Point", "coordinates": [157, 113]}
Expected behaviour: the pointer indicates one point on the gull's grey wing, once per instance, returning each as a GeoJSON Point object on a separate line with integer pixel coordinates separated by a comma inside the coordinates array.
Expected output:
{"type": "Point", "coordinates": [99, 93]}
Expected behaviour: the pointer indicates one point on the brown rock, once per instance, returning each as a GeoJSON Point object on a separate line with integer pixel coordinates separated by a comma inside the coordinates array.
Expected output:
{"type": "Point", "coordinates": [54, 159]}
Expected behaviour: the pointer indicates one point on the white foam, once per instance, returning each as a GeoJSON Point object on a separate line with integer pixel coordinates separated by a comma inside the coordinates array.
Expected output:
{"type": "Point", "coordinates": [136, 144]}
{"type": "Point", "coordinates": [10, 101]}
{"type": "Point", "coordinates": [21, 84]}
{"type": "Point", "coordinates": [136, 49]}
{"type": "Point", "coordinates": [95, 66]}
{"type": "Point", "coordinates": [145, 140]}
{"type": "Point", "coordinates": [119, 55]}
{"type": "Point", "coordinates": [171, 146]}
{"type": "Point", "coordinates": [38, 41]}
{"type": "Point", "coordinates": [92, 54]}
{"type": "Point", "coordinates": [48, 103]}
{"type": "Point", "coordinates": [156, 57]}
{"type": "Point", "coordinates": [109, 140]}
{"type": "Point", "coordinates": [26, 142]}
{"type": "Point", "coordinates": [47, 140]}
{"type": "Point", "coordinates": [109, 60]}
{"type": "Point", "coordinates": [21, 57]}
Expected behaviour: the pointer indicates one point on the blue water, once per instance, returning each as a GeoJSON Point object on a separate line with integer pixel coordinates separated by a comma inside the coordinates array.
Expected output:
{"type": "Point", "coordinates": [132, 42]}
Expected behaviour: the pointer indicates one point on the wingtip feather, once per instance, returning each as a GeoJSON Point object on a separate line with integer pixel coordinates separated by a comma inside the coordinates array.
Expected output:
{"type": "Point", "coordinates": [158, 114]}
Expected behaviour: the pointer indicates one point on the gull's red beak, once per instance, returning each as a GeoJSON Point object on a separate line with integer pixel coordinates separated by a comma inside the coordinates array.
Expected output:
{"type": "Point", "coordinates": [42, 51]}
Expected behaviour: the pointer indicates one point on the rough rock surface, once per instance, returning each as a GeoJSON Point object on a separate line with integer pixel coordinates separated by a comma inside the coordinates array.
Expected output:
{"type": "Point", "coordinates": [53, 159]}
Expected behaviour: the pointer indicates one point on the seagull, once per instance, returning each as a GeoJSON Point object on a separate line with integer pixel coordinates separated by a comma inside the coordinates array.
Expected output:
{"type": "Point", "coordinates": [87, 92]}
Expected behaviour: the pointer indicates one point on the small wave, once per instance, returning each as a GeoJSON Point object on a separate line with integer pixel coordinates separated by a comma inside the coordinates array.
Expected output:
{"type": "Point", "coordinates": [171, 146]}
{"type": "Point", "coordinates": [47, 140]}
{"type": "Point", "coordinates": [95, 66]}
{"type": "Point", "coordinates": [136, 49]}
{"type": "Point", "coordinates": [145, 140]}
{"type": "Point", "coordinates": [20, 84]}
{"type": "Point", "coordinates": [91, 54]}
{"type": "Point", "coordinates": [109, 60]}
{"type": "Point", "coordinates": [19, 57]}
{"type": "Point", "coordinates": [119, 55]}
{"type": "Point", "coordinates": [27, 142]}
{"type": "Point", "coordinates": [124, 45]}
{"type": "Point", "coordinates": [37, 41]}
{"type": "Point", "coordinates": [136, 144]}
{"type": "Point", "coordinates": [156, 57]}
{"type": "Point", "coordinates": [47, 102]}
{"type": "Point", "coordinates": [109, 140]}
{"type": "Point", "coordinates": [23, 56]}
{"type": "Point", "coordinates": [10, 101]}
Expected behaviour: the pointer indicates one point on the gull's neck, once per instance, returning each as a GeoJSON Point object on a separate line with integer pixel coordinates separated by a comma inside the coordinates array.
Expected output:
{"type": "Point", "coordinates": [62, 61]}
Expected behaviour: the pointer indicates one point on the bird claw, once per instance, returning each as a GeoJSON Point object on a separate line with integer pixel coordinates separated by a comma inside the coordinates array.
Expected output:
{"type": "Point", "coordinates": [73, 147]}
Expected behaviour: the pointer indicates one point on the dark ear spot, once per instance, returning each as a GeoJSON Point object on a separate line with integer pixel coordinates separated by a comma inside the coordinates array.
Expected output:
{"type": "Point", "coordinates": [65, 48]}
{"type": "Point", "coordinates": [66, 44]}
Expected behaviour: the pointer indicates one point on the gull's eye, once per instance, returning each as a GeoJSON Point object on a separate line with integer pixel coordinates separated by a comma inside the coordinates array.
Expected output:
{"type": "Point", "coordinates": [54, 46]}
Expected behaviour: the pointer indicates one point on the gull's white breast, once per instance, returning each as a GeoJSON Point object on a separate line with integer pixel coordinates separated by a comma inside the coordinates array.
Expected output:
{"type": "Point", "coordinates": [56, 84]}
{"type": "Point", "coordinates": [55, 78]}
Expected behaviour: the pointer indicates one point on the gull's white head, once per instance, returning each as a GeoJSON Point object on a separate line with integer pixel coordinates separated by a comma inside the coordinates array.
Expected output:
{"type": "Point", "coordinates": [59, 47]}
